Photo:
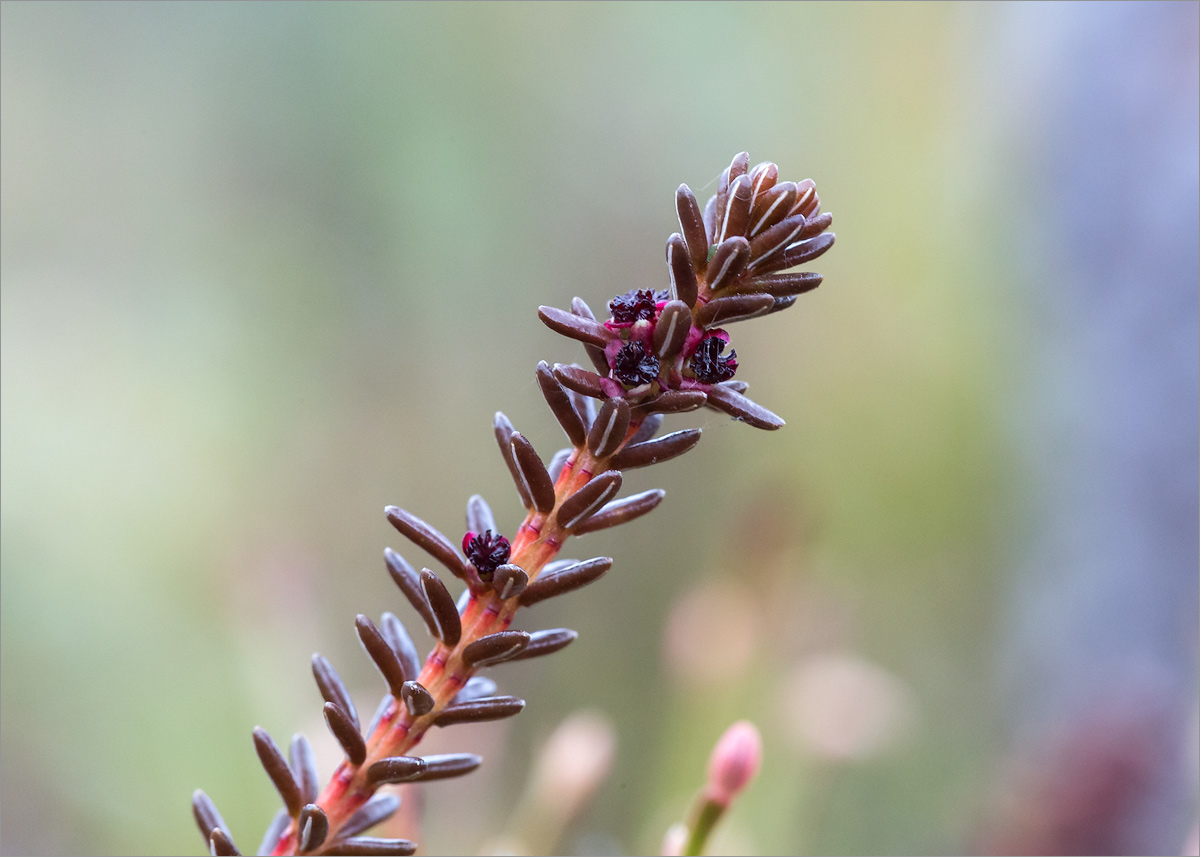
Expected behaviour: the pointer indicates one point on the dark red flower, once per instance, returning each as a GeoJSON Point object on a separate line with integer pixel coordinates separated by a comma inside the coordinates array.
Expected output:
{"type": "Point", "coordinates": [633, 306]}
{"type": "Point", "coordinates": [708, 364]}
{"type": "Point", "coordinates": [633, 365]}
{"type": "Point", "coordinates": [486, 551]}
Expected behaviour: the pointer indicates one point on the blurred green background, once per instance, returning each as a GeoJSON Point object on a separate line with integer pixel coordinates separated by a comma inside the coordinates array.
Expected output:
{"type": "Point", "coordinates": [267, 268]}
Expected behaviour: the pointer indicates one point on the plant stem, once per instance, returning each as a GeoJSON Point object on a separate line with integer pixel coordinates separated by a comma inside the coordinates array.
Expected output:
{"type": "Point", "coordinates": [706, 819]}
{"type": "Point", "coordinates": [537, 542]}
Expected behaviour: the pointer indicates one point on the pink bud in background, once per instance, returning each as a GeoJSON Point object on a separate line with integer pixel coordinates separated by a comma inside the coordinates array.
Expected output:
{"type": "Point", "coordinates": [734, 762]}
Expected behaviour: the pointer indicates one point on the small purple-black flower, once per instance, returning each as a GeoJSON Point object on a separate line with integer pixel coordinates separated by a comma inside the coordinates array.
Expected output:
{"type": "Point", "coordinates": [633, 365]}
{"type": "Point", "coordinates": [486, 551]}
{"type": "Point", "coordinates": [633, 306]}
{"type": "Point", "coordinates": [708, 364]}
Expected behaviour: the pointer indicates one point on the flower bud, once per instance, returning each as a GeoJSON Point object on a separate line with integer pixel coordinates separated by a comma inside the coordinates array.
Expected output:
{"type": "Point", "coordinates": [734, 762]}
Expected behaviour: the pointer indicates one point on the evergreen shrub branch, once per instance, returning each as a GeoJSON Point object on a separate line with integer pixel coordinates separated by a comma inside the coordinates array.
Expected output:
{"type": "Point", "coordinates": [656, 352]}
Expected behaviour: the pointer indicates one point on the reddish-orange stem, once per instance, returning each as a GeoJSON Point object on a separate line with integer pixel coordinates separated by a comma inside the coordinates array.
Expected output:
{"type": "Point", "coordinates": [537, 542]}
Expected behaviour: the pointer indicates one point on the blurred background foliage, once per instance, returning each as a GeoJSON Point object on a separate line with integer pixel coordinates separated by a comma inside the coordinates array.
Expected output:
{"type": "Point", "coordinates": [267, 268]}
